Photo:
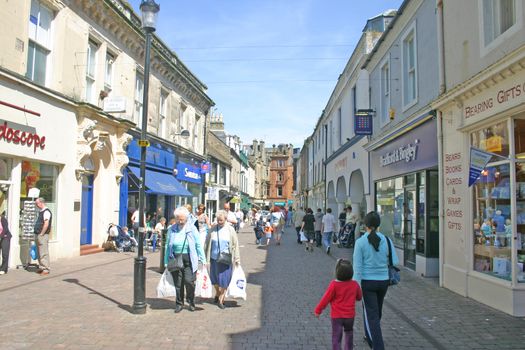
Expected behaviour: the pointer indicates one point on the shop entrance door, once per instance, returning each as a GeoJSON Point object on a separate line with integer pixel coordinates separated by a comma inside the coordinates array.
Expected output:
{"type": "Point", "coordinates": [410, 228]}
{"type": "Point", "coordinates": [86, 214]}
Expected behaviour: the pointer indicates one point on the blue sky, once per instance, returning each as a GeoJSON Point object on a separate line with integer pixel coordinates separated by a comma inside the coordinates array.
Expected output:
{"type": "Point", "coordinates": [270, 66]}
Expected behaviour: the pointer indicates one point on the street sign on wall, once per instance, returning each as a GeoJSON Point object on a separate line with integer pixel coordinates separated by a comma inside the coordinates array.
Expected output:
{"type": "Point", "coordinates": [363, 122]}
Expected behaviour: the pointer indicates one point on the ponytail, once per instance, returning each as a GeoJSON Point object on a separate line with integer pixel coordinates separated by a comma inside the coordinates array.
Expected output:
{"type": "Point", "coordinates": [372, 221]}
{"type": "Point", "coordinates": [374, 239]}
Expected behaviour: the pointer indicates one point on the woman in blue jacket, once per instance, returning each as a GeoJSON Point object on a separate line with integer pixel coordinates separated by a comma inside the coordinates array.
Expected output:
{"type": "Point", "coordinates": [183, 238]}
{"type": "Point", "coordinates": [371, 272]}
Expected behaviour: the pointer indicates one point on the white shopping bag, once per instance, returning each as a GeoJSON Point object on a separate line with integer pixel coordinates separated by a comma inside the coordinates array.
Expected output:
{"type": "Point", "coordinates": [237, 287]}
{"type": "Point", "coordinates": [203, 287]}
{"type": "Point", "coordinates": [166, 286]}
{"type": "Point", "coordinates": [303, 236]}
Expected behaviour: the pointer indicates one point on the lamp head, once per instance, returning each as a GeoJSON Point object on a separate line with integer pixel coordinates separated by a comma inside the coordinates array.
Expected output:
{"type": "Point", "coordinates": [149, 10]}
{"type": "Point", "coordinates": [184, 134]}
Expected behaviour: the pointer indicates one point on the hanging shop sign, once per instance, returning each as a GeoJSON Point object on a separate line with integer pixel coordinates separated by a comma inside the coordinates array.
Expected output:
{"type": "Point", "coordinates": [22, 135]}
{"type": "Point", "coordinates": [363, 122]}
{"type": "Point", "coordinates": [205, 168]}
{"type": "Point", "coordinates": [478, 162]}
{"type": "Point", "coordinates": [186, 172]}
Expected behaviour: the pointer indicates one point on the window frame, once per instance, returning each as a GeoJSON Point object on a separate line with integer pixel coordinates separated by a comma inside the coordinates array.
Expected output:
{"type": "Point", "coordinates": [91, 64]}
{"type": "Point", "coordinates": [410, 33]}
{"type": "Point", "coordinates": [385, 94]}
{"type": "Point", "coordinates": [485, 48]}
{"type": "Point", "coordinates": [109, 63]}
{"type": "Point", "coordinates": [163, 112]}
{"type": "Point", "coordinates": [138, 101]}
{"type": "Point", "coordinates": [38, 44]}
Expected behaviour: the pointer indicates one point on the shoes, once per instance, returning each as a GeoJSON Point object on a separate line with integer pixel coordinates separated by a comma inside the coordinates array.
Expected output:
{"type": "Point", "coordinates": [2, 272]}
{"type": "Point", "coordinates": [221, 306]}
{"type": "Point", "coordinates": [192, 307]}
{"type": "Point", "coordinates": [44, 273]}
{"type": "Point", "coordinates": [216, 300]}
{"type": "Point", "coordinates": [178, 308]}
{"type": "Point", "coordinates": [39, 270]}
{"type": "Point", "coordinates": [328, 250]}
{"type": "Point", "coordinates": [367, 342]}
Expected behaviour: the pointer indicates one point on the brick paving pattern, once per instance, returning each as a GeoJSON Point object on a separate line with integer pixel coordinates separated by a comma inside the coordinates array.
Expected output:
{"type": "Point", "coordinates": [85, 304]}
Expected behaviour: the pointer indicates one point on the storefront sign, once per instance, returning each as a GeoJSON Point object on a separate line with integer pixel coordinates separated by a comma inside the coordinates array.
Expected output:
{"type": "Point", "coordinates": [341, 164]}
{"type": "Point", "coordinates": [213, 194]}
{"type": "Point", "coordinates": [478, 162]}
{"type": "Point", "coordinates": [115, 104]}
{"type": "Point", "coordinates": [415, 150]}
{"type": "Point", "coordinates": [186, 172]}
{"type": "Point", "coordinates": [405, 153]}
{"type": "Point", "coordinates": [205, 168]}
{"type": "Point", "coordinates": [21, 135]}
{"type": "Point", "coordinates": [363, 122]}
{"type": "Point", "coordinates": [506, 94]}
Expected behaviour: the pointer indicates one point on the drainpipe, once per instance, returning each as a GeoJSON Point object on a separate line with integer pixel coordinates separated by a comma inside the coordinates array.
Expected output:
{"type": "Point", "coordinates": [325, 158]}
{"type": "Point", "coordinates": [441, 46]}
{"type": "Point", "coordinates": [441, 188]}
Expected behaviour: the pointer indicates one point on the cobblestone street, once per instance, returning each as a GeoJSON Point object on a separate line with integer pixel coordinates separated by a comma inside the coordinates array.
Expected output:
{"type": "Point", "coordinates": [85, 304]}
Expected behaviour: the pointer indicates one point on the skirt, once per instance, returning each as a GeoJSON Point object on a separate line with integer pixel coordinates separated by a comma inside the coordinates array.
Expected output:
{"type": "Point", "coordinates": [220, 274]}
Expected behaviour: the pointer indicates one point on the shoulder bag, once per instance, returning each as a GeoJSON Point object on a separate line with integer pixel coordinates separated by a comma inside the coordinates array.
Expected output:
{"type": "Point", "coordinates": [224, 257]}
{"type": "Point", "coordinates": [394, 277]}
{"type": "Point", "coordinates": [175, 263]}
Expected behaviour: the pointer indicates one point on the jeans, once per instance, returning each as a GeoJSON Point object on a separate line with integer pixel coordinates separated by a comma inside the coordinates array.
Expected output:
{"type": "Point", "coordinates": [318, 238]}
{"type": "Point", "coordinates": [184, 282]}
{"type": "Point", "coordinates": [327, 239]}
{"type": "Point", "coordinates": [298, 229]}
{"type": "Point", "coordinates": [338, 326]}
{"type": "Point", "coordinates": [373, 295]}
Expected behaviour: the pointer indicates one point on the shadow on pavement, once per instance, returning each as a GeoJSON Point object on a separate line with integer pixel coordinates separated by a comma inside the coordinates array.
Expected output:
{"type": "Point", "coordinates": [124, 307]}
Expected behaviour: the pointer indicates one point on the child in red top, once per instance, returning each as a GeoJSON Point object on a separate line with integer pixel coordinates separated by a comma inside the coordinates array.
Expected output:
{"type": "Point", "coordinates": [341, 294]}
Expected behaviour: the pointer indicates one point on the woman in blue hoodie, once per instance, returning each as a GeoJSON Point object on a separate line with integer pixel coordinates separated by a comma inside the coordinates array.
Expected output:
{"type": "Point", "coordinates": [371, 272]}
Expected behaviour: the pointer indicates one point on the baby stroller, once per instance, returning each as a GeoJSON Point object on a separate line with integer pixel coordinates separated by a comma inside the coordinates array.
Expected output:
{"type": "Point", "coordinates": [346, 237]}
{"type": "Point", "coordinates": [123, 242]}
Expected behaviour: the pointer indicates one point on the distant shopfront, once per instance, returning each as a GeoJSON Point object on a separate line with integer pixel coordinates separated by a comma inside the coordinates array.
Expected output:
{"type": "Point", "coordinates": [163, 191]}
{"type": "Point", "coordinates": [404, 171]}
{"type": "Point", "coordinates": [191, 177]}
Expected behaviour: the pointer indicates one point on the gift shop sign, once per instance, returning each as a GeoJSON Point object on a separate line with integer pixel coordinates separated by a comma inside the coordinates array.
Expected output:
{"type": "Point", "coordinates": [22, 135]}
{"type": "Point", "coordinates": [504, 95]}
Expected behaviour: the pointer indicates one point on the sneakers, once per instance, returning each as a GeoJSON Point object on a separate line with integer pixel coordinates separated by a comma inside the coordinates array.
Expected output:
{"type": "Point", "coordinates": [221, 306]}
{"type": "Point", "coordinates": [178, 308]}
{"type": "Point", "coordinates": [2, 272]}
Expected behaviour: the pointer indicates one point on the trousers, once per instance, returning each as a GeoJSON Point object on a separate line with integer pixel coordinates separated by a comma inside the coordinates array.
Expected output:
{"type": "Point", "coordinates": [43, 251]}
{"type": "Point", "coordinates": [185, 282]}
{"type": "Point", "coordinates": [340, 326]}
{"type": "Point", "coordinates": [373, 296]}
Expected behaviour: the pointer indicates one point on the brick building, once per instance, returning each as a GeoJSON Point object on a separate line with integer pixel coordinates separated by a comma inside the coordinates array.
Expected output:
{"type": "Point", "coordinates": [280, 187]}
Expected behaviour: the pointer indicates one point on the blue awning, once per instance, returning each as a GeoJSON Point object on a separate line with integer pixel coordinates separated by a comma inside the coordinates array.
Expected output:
{"type": "Point", "coordinates": [162, 183]}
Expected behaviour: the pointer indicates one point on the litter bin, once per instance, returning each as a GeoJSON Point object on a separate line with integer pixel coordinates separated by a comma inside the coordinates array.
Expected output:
{"type": "Point", "coordinates": [162, 249]}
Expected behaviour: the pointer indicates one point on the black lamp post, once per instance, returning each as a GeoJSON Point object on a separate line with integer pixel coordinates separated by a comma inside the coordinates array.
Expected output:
{"type": "Point", "coordinates": [149, 10]}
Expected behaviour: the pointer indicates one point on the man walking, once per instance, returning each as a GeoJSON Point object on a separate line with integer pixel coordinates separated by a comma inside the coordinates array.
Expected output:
{"type": "Point", "coordinates": [42, 230]}
{"type": "Point", "coordinates": [328, 228]}
{"type": "Point", "coordinates": [230, 215]}
{"type": "Point", "coordinates": [298, 222]}
{"type": "Point", "coordinates": [318, 225]}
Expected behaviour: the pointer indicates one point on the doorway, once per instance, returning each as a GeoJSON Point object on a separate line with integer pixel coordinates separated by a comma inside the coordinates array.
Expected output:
{"type": "Point", "coordinates": [410, 227]}
{"type": "Point", "coordinates": [86, 215]}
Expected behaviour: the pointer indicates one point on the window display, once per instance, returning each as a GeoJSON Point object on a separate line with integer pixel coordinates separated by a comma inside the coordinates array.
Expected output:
{"type": "Point", "coordinates": [493, 222]}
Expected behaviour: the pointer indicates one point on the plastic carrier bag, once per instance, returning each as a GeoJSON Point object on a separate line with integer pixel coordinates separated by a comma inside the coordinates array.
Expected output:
{"type": "Point", "coordinates": [203, 287]}
{"type": "Point", "coordinates": [166, 286]}
{"type": "Point", "coordinates": [237, 286]}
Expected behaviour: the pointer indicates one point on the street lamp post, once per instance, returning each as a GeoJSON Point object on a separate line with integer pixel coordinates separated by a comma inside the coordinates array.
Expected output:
{"type": "Point", "coordinates": [149, 10]}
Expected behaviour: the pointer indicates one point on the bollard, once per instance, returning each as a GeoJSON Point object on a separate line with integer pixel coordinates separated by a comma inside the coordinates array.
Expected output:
{"type": "Point", "coordinates": [162, 249]}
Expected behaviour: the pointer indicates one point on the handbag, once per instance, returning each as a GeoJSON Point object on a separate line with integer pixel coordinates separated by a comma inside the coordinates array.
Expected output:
{"type": "Point", "coordinates": [224, 257]}
{"type": "Point", "coordinates": [394, 277]}
{"type": "Point", "coordinates": [176, 263]}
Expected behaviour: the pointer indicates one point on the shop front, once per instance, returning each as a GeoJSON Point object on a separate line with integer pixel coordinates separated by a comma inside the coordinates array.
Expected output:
{"type": "Point", "coordinates": [191, 176]}
{"type": "Point", "coordinates": [405, 176]}
{"type": "Point", "coordinates": [484, 227]}
{"type": "Point", "coordinates": [37, 151]}
{"type": "Point", "coordinates": [163, 191]}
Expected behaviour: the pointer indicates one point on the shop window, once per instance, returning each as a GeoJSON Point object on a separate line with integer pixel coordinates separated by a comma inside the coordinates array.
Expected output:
{"type": "Point", "coordinates": [43, 177]}
{"type": "Point", "coordinates": [493, 222]}
{"type": "Point", "coordinates": [494, 139]}
{"type": "Point", "coordinates": [390, 199]}
{"type": "Point", "coordinates": [520, 220]}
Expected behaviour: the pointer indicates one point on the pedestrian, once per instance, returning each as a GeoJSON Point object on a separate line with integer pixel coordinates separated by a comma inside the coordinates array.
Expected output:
{"type": "Point", "coordinates": [239, 215]}
{"type": "Point", "coordinates": [277, 222]}
{"type": "Point", "coordinates": [318, 226]}
{"type": "Point", "coordinates": [204, 223]}
{"type": "Point", "coordinates": [5, 243]}
{"type": "Point", "coordinates": [268, 230]}
{"type": "Point", "coordinates": [371, 272]}
{"type": "Point", "coordinates": [231, 218]}
{"type": "Point", "coordinates": [222, 254]}
{"type": "Point", "coordinates": [259, 230]}
{"type": "Point", "coordinates": [183, 240]}
{"type": "Point", "coordinates": [42, 229]}
{"type": "Point", "coordinates": [192, 218]}
{"type": "Point", "coordinates": [157, 232]}
{"type": "Point", "coordinates": [328, 229]}
{"type": "Point", "coordinates": [298, 222]}
{"type": "Point", "coordinates": [308, 229]}
{"type": "Point", "coordinates": [341, 294]}
{"type": "Point", "coordinates": [289, 217]}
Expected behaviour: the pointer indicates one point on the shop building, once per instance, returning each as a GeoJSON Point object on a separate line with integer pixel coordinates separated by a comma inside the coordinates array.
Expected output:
{"type": "Point", "coordinates": [403, 147]}
{"type": "Point", "coordinates": [483, 226]}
